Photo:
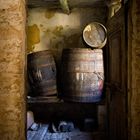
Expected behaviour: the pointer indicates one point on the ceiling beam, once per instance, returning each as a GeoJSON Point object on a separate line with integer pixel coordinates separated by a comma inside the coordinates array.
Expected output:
{"type": "Point", "coordinates": [65, 6]}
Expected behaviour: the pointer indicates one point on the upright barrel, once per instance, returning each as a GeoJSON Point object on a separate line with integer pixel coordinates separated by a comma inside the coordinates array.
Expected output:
{"type": "Point", "coordinates": [42, 73]}
{"type": "Point", "coordinates": [82, 75]}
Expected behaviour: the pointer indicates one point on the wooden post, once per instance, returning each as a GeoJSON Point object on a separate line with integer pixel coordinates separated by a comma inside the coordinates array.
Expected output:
{"type": "Point", "coordinates": [12, 63]}
{"type": "Point", "coordinates": [134, 70]}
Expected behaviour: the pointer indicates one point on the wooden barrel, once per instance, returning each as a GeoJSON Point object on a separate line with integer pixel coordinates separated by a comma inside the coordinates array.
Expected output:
{"type": "Point", "coordinates": [82, 75]}
{"type": "Point", "coordinates": [42, 73]}
{"type": "Point", "coordinates": [95, 35]}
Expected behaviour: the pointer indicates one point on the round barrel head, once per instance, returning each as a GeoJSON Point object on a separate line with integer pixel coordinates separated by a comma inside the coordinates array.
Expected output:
{"type": "Point", "coordinates": [95, 35]}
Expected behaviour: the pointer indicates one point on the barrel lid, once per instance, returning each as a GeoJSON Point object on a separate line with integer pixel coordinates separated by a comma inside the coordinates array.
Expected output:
{"type": "Point", "coordinates": [84, 50]}
{"type": "Point", "coordinates": [39, 53]}
{"type": "Point", "coordinates": [95, 35]}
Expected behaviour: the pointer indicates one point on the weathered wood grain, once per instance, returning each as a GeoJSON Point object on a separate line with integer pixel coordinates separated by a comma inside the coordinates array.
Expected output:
{"type": "Point", "coordinates": [71, 3]}
{"type": "Point", "coordinates": [12, 69]}
{"type": "Point", "coordinates": [38, 135]}
{"type": "Point", "coordinates": [134, 70]}
{"type": "Point", "coordinates": [118, 77]}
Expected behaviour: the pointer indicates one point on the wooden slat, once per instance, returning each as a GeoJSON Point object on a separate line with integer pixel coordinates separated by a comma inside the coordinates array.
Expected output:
{"type": "Point", "coordinates": [74, 136]}
{"type": "Point", "coordinates": [30, 135]}
{"type": "Point", "coordinates": [54, 99]}
{"type": "Point", "coordinates": [43, 134]}
{"type": "Point", "coordinates": [40, 133]}
{"type": "Point", "coordinates": [117, 93]}
{"type": "Point", "coordinates": [71, 3]}
{"type": "Point", "coordinates": [50, 99]}
{"type": "Point", "coordinates": [44, 3]}
{"type": "Point", "coordinates": [86, 3]}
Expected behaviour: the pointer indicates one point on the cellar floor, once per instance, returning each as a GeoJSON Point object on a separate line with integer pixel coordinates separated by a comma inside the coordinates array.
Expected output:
{"type": "Point", "coordinates": [43, 134]}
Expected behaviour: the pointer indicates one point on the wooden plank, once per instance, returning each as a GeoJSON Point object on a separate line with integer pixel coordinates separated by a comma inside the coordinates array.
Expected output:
{"type": "Point", "coordinates": [117, 93]}
{"type": "Point", "coordinates": [30, 134]}
{"type": "Point", "coordinates": [82, 137]}
{"type": "Point", "coordinates": [44, 3]}
{"type": "Point", "coordinates": [52, 99]}
{"type": "Point", "coordinates": [72, 3]}
{"type": "Point", "coordinates": [34, 100]}
{"type": "Point", "coordinates": [102, 117]}
{"type": "Point", "coordinates": [74, 136]}
{"type": "Point", "coordinates": [43, 134]}
{"type": "Point", "coordinates": [39, 134]}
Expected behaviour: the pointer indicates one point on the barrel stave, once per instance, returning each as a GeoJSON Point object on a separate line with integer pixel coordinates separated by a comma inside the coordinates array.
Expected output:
{"type": "Point", "coordinates": [42, 73]}
{"type": "Point", "coordinates": [83, 75]}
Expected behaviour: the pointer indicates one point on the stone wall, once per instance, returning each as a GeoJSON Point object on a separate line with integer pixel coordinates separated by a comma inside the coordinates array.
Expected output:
{"type": "Point", "coordinates": [12, 62]}
{"type": "Point", "coordinates": [134, 70]}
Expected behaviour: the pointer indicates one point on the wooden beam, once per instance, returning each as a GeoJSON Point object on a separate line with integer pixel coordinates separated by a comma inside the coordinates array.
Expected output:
{"type": "Point", "coordinates": [65, 6]}
{"type": "Point", "coordinates": [44, 3]}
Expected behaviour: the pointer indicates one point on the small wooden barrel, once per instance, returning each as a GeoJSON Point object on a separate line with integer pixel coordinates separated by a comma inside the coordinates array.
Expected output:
{"type": "Point", "coordinates": [42, 73]}
{"type": "Point", "coordinates": [95, 35]}
{"type": "Point", "coordinates": [82, 75]}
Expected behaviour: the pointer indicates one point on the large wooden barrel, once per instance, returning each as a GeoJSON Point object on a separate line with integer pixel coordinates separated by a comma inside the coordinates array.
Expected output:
{"type": "Point", "coordinates": [42, 73]}
{"type": "Point", "coordinates": [82, 75]}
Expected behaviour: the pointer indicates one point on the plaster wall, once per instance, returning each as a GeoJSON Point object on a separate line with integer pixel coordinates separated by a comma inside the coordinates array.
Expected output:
{"type": "Point", "coordinates": [53, 30]}
{"type": "Point", "coordinates": [12, 62]}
